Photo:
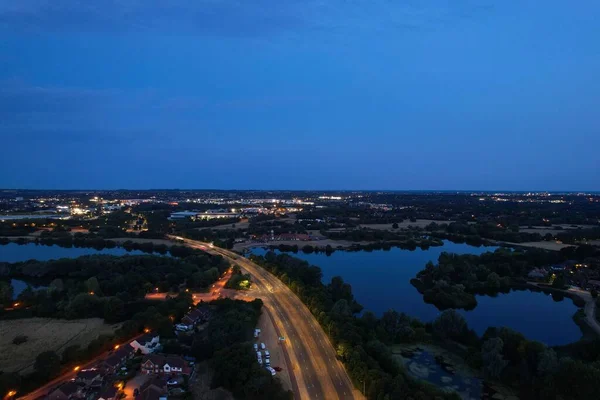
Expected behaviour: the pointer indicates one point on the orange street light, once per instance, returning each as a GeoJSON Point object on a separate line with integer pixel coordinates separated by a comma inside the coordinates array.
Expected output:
{"type": "Point", "coordinates": [92, 293]}
{"type": "Point", "coordinates": [117, 346]}
{"type": "Point", "coordinates": [11, 393]}
{"type": "Point", "coordinates": [16, 304]}
{"type": "Point", "coordinates": [146, 330]}
{"type": "Point", "coordinates": [76, 368]}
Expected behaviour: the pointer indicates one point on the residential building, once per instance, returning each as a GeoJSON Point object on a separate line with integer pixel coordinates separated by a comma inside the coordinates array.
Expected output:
{"type": "Point", "coordinates": [537, 273]}
{"type": "Point", "coordinates": [165, 365]}
{"type": "Point", "coordinates": [148, 343]}
{"type": "Point", "coordinates": [154, 389]}
{"type": "Point", "coordinates": [196, 316]}
{"type": "Point", "coordinates": [108, 393]}
{"type": "Point", "coordinates": [66, 391]}
{"type": "Point", "coordinates": [183, 215]}
{"type": "Point", "coordinates": [89, 377]}
{"type": "Point", "coordinates": [117, 359]}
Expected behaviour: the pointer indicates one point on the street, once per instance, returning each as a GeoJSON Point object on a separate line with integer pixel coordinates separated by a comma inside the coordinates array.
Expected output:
{"type": "Point", "coordinates": [315, 369]}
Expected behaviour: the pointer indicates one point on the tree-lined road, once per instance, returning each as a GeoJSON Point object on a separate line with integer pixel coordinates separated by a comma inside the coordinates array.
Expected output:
{"type": "Point", "coordinates": [318, 373]}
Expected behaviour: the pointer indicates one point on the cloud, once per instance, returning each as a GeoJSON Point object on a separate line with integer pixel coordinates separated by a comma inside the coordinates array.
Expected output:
{"type": "Point", "coordinates": [231, 17]}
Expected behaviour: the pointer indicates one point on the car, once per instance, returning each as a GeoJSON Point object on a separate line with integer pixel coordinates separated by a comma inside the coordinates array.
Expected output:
{"type": "Point", "coordinates": [267, 362]}
{"type": "Point", "coordinates": [271, 370]}
{"type": "Point", "coordinates": [255, 347]}
{"type": "Point", "coordinates": [262, 346]}
{"type": "Point", "coordinates": [260, 361]}
{"type": "Point", "coordinates": [267, 354]}
{"type": "Point", "coordinates": [258, 354]}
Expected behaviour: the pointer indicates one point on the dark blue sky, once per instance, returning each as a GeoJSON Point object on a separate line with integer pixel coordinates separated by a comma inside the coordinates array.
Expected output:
{"type": "Point", "coordinates": [306, 94]}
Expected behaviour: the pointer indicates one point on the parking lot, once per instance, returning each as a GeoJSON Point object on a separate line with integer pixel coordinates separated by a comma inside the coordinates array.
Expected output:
{"type": "Point", "coordinates": [269, 337]}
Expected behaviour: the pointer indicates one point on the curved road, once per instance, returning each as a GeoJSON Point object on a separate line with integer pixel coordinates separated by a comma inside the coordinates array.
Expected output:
{"type": "Point", "coordinates": [319, 375]}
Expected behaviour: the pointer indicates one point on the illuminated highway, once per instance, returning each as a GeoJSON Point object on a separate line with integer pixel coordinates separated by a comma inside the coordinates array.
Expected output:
{"type": "Point", "coordinates": [317, 372]}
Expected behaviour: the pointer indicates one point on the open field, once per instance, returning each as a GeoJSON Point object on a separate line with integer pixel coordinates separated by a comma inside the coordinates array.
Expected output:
{"type": "Point", "coordinates": [45, 334]}
{"type": "Point", "coordinates": [238, 225]}
{"type": "Point", "coordinates": [542, 230]}
{"type": "Point", "coordinates": [541, 245]}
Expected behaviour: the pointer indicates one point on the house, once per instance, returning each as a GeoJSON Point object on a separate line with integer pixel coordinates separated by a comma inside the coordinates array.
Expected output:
{"type": "Point", "coordinates": [89, 377]}
{"type": "Point", "coordinates": [66, 391]}
{"type": "Point", "coordinates": [116, 360]}
{"type": "Point", "coordinates": [196, 316]}
{"type": "Point", "coordinates": [108, 393]}
{"type": "Point", "coordinates": [147, 343]}
{"type": "Point", "coordinates": [191, 318]}
{"type": "Point", "coordinates": [593, 284]}
{"type": "Point", "coordinates": [537, 273]}
{"type": "Point", "coordinates": [154, 389]}
{"type": "Point", "coordinates": [165, 365]}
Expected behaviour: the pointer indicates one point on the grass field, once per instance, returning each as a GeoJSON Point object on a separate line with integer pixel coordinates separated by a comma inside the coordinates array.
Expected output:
{"type": "Point", "coordinates": [44, 334]}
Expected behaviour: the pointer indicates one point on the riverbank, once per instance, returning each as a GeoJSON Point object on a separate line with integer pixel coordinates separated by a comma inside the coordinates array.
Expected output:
{"type": "Point", "coordinates": [589, 305]}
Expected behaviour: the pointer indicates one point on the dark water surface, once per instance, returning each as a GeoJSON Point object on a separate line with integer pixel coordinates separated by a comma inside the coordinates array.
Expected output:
{"type": "Point", "coordinates": [14, 252]}
{"type": "Point", "coordinates": [381, 280]}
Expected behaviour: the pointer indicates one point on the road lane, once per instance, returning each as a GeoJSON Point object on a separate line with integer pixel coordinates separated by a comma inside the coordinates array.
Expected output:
{"type": "Point", "coordinates": [318, 372]}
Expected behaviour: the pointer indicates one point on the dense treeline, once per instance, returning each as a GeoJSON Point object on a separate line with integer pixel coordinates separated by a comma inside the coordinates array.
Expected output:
{"type": "Point", "coordinates": [456, 279]}
{"type": "Point", "coordinates": [360, 342]}
{"type": "Point", "coordinates": [106, 286]}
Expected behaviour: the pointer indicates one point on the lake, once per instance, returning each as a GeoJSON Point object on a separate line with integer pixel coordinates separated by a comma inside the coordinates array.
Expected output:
{"type": "Point", "coordinates": [14, 252]}
{"type": "Point", "coordinates": [381, 280]}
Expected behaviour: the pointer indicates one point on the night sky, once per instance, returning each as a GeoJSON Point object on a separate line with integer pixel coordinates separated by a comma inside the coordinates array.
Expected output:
{"type": "Point", "coordinates": [300, 94]}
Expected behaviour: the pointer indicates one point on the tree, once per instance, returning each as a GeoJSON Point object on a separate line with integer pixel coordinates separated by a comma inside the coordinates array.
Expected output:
{"type": "Point", "coordinates": [548, 363]}
{"type": "Point", "coordinates": [559, 282]}
{"type": "Point", "coordinates": [114, 310]}
{"type": "Point", "coordinates": [341, 308]}
{"type": "Point", "coordinates": [57, 284]}
{"type": "Point", "coordinates": [491, 356]}
{"type": "Point", "coordinates": [47, 365]}
{"type": "Point", "coordinates": [92, 285]}
{"type": "Point", "coordinates": [19, 339]}
{"type": "Point", "coordinates": [6, 292]}
{"type": "Point", "coordinates": [71, 354]}
{"type": "Point", "coordinates": [450, 324]}
{"type": "Point", "coordinates": [493, 281]}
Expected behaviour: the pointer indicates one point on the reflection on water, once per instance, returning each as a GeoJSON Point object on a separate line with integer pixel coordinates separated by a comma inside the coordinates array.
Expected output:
{"type": "Point", "coordinates": [422, 364]}
{"type": "Point", "coordinates": [380, 280]}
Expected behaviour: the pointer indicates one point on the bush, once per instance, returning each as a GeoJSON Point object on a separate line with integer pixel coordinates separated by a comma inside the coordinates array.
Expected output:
{"type": "Point", "coordinates": [19, 339]}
